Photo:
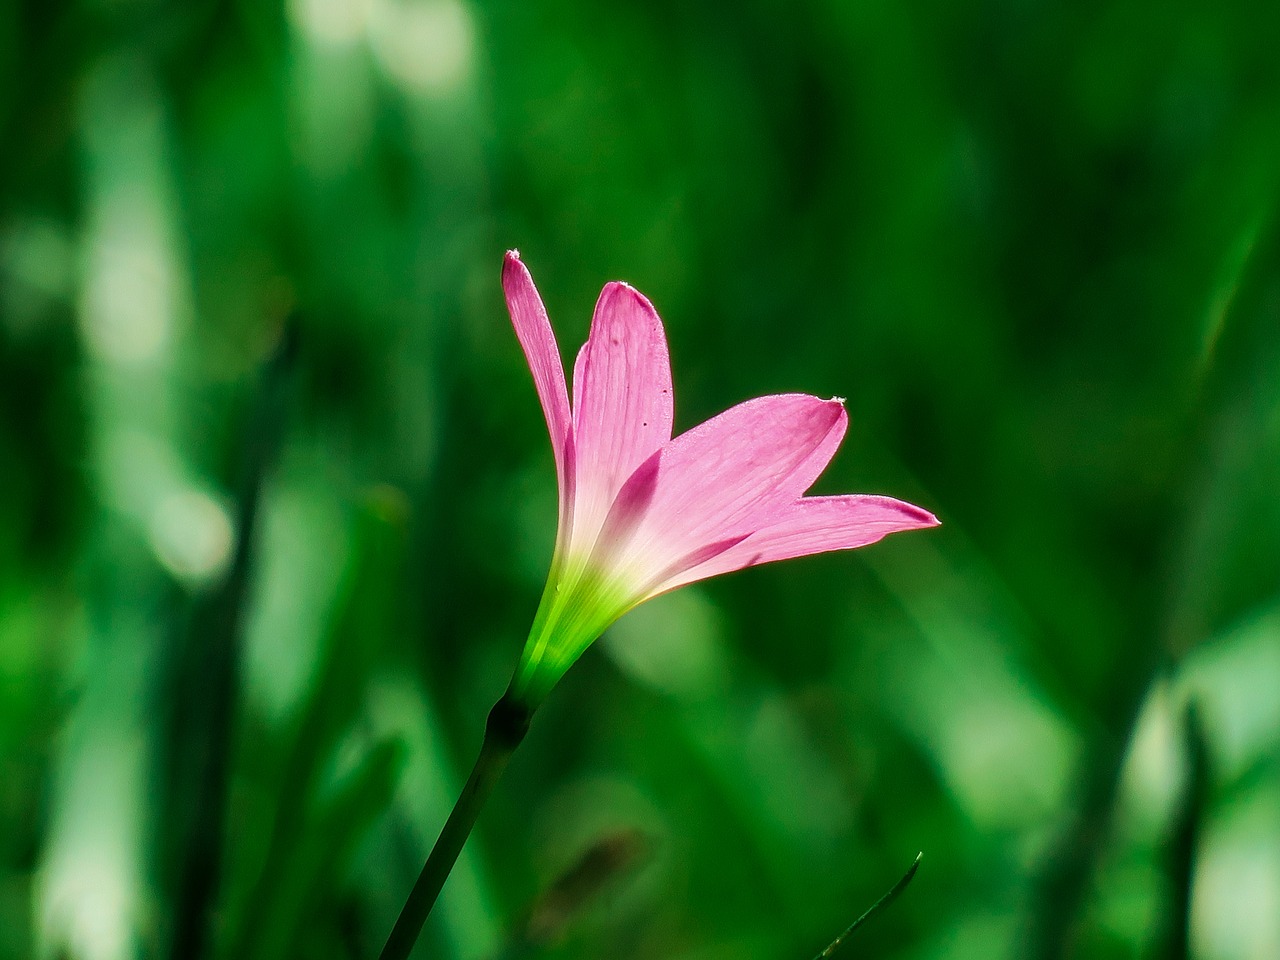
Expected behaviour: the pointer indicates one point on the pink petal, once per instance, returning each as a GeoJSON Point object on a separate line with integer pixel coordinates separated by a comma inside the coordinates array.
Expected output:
{"type": "Point", "coordinates": [622, 401]}
{"type": "Point", "coordinates": [812, 525]}
{"type": "Point", "coordinates": [533, 329]}
{"type": "Point", "coordinates": [721, 482]}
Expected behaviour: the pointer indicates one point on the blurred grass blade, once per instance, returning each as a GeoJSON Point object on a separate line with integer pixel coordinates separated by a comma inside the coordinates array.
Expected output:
{"type": "Point", "coordinates": [893, 894]}
{"type": "Point", "coordinates": [367, 605]}
{"type": "Point", "coordinates": [206, 684]}
{"type": "Point", "coordinates": [334, 831]}
{"type": "Point", "coordinates": [1187, 829]}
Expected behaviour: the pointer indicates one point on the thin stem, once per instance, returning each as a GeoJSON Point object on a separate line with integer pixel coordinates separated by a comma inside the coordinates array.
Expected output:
{"type": "Point", "coordinates": [875, 908]}
{"type": "Point", "coordinates": [507, 724]}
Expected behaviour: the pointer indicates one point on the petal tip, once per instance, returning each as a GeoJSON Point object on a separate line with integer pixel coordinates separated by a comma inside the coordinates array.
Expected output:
{"type": "Point", "coordinates": [921, 516]}
{"type": "Point", "coordinates": [840, 415]}
{"type": "Point", "coordinates": [515, 275]}
{"type": "Point", "coordinates": [912, 517]}
{"type": "Point", "coordinates": [622, 288]}
{"type": "Point", "coordinates": [617, 293]}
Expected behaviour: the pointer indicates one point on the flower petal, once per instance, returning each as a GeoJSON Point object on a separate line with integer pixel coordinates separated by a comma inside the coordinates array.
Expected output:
{"type": "Point", "coordinates": [812, 525]}
{"type": "Point", "coordinates": [622, 402]}
{"type": "Point", "coordinates": [720, 482]}
{"type": "Point", "coordinates": [533, 330]}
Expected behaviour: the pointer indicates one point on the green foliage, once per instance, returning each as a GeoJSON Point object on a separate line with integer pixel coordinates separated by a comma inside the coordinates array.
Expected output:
{"type": "Point", "coordinates": [278, 501]}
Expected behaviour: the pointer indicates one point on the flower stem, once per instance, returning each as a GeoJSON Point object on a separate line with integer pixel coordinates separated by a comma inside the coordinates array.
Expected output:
{"type": "Point", "coordinates": [507, 724]}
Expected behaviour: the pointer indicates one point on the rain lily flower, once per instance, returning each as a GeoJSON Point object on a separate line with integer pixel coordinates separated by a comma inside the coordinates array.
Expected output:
{"type": "Point", "coordinates": [642, 513]}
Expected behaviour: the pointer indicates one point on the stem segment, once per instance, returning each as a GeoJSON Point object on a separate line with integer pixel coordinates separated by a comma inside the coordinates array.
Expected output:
{"type": "Point", "coordinates": [507, 724]}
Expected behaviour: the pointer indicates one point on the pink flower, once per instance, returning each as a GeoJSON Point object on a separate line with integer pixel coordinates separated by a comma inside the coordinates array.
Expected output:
{"type": "Point", "coordinates": [642, 513]}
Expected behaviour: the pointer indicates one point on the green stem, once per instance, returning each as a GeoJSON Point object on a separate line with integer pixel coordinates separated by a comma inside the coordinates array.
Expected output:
{"type": "Point", "coordinates": [507, 724]}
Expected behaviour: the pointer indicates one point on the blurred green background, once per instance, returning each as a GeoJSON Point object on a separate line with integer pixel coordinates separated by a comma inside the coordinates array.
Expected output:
{"type": "Point", "coordinates": [277, 499]}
